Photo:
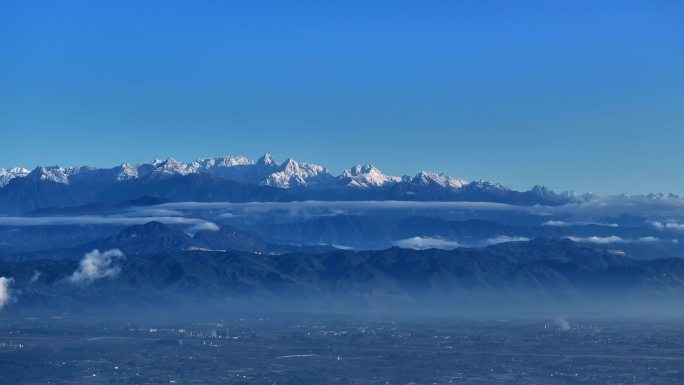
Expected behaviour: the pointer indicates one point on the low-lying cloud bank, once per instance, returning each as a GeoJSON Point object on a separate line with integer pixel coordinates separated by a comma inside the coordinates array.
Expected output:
{"type": "Point", "coordinates": [422, 243]}
{"type": "Point", "coordinates": [96, 265]}
{"type": "Point", "coordinates": [596, 206]}
{"type": "Point", "coordinates": [669, 225]}
{"type": "Point", "coordinates": [662, 214]}
{"type": "Point", "coordinates": [98, 220]}
{"type": "Point", "coordinates": [596, 210]}
{"type": "Point", "coordinates": [557, 223]}
{"type": "Point", "coordinates": [504, 239]}
{"type": "Point", "coordinates": [310, 209]}
{"type": "Point", "coordinates": [613, 239]}
{"type": "Point", "coordinates": [5, 291]}
{"type": "Point", "coordinates": [339, 205]}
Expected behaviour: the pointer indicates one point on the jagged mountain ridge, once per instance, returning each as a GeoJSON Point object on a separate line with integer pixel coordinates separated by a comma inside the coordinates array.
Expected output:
{"type": "Point", "coordinates": [7, 175]}
{"type": "Point", "coordinates": [265, 171]}
{"type": "Point", "coordinates": [238, 179]}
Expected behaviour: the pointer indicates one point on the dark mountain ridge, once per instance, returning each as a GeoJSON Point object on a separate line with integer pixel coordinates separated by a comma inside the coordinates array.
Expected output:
{"type": "Point", "coordinates": [156, 237]}
{"type": "Point", "coordinates": [542, 268]}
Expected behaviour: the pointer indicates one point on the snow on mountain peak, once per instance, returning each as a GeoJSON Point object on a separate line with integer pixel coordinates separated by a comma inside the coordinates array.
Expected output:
{"type": "Point", "coordinates": [264, 171]}
{"type": "Point", "coordinates": [15, 172]}
{"type": "Point", "coordinates": [128, 172]}
{"type": "Point", "coordinates": [227, 161]}
{"type": "Point", "coordinates": [19, 171]}
{"type": "Point", "coordinates": [662, 196]}
{"type": "Point", "coordinates": [291, 173]}
{"type": "Point", "coordinates": [366, 176]}
{"type": "Point", "coordinates": [359, 169]}
{"type": "Point", "coordinates": [53, 174]}
{"type": "Point", "coordinates": [267, 160]}
{"type": "Point", "coordinates": [487, 185]}
{"type": "Point", "coordinates": [427, 178]}
{"type": "Point", "coordinates": [171, 167]}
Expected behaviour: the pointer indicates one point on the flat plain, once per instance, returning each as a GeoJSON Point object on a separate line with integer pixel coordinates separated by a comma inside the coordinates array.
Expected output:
{"type": "Point", "coordinates": [307, 349]}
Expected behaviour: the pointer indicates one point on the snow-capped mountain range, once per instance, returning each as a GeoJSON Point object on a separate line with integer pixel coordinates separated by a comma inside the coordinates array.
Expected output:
{"type": "Point", "coordinates": [239, 179]}
{"type": "Point", "coordinates": [265, 172]}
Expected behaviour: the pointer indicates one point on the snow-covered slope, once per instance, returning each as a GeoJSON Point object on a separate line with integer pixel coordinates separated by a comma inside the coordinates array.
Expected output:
{"type": "Point", "coordinates": [366, 176]}
{"type": "Point", "coordinates": [430, 178]}
{"type": "Point", "coordinates": [53, 174]}
{"type": "Point", "coordinates": [291, 174]}
{"type": "Point", "coordinates": [7, 175]}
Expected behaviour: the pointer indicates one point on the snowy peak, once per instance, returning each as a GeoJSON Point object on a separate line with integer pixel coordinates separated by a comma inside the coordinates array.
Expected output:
{"type": "Point", "coordinates": [171, 167]}
{"type": "Point", "coordinates": [359, 169]}
{"type": "Point", "coordinates": [237, 168]}
{"type": "Point", "coordinates": [127, 172]}
{"type": "Point", "coordinates": [7, 175]}
{"type": "Point", "coordinates": [290, 165]}
{"type": "Point", "coordinates": [662, 196]}
{"type": "Point", "coordinates": [484, 185]}
{"type": "Point", "coordinates": [290, 174]}
{"type": "Point", "coordinates": [443, 180]}
{"type": "Point", "coordinates": [227, 161]}
{"type": "Point", "coordinates": [19, 171]}
{"type": "Point", "coordinates": [267, 161]}
{"type": "Point", "coordinates": [366, 176]}
{"type": "Point", "coordinates": [54, 174]}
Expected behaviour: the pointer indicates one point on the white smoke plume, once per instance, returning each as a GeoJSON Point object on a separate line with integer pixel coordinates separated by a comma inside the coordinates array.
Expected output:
{"type": "Point", "coordinates": [96, 265]}
{"type": "Point", "coordinates": [563, 324]}
{"type": "Point", "coordinates": [5, 292]}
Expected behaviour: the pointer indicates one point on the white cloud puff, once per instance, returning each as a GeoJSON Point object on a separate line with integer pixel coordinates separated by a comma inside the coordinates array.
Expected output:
{"type": "Point", "coordinates": [568, 224]}
{"type": "Point", "coordinates": [556, 223]}
{"type": "Point", "coordinates": [96, 265]}
{"type": "Point", "coordinates": [422, 243]}
{"type": "Point", "coordinates": [5, 291]}
{"type": "Point", "coordinates": [504, 239]}
{"type": "Point", "coordinates": [670, 225]}
{"type": "Point", "coordinates": [598, 240]}
{"type": "Point", "coordinates": [210, 226]}
{"type": "Point", "coordinates": [612, 239]}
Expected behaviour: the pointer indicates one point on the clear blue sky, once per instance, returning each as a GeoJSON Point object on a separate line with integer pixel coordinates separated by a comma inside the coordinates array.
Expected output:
{"type": "Point", "coordinates": [576, 95]}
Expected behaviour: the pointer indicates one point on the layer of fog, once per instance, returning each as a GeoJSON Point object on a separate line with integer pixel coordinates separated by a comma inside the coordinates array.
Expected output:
{"type": "Point", "coordinates": [423, 243]}
{"type": "Point", "coordinates": [662, 213]}
{"type": "Point", "coordinates": [132, 219]}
